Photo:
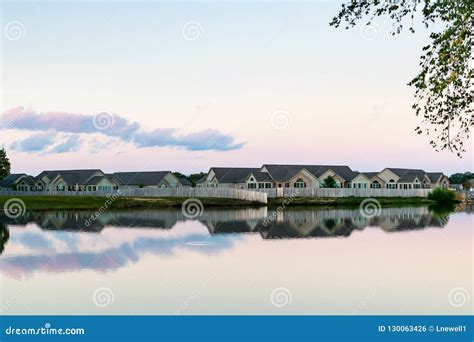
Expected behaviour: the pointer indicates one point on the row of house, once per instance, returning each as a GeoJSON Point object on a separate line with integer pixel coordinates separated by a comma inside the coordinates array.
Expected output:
{"type": "Point", "coordinates": [91, 180]}
{"type": "Point", "coordinates": [267, 176]}
{"type": "Point", "coordinates": [314, 176]}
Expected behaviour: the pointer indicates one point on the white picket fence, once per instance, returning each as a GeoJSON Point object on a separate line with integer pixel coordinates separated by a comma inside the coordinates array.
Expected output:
{"type": "Point", "coordinates": [342, 192]}
{"type": "Point", "coordinates": [240, 194]}
{"type": "Point", "coordinates": [260, 195]}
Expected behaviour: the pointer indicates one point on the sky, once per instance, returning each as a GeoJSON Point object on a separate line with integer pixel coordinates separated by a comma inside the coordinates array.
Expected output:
{"type": "Point", "coordinates": [180, 86]}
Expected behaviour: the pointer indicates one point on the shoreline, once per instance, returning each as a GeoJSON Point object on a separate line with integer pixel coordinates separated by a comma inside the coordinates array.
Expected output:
{"type": "Point", "coordinates": [39, 203]}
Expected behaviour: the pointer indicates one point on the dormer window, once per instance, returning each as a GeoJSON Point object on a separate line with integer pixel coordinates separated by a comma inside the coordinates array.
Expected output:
{"type": "Point", "coordinates": [391, 184]}
{"type": "Point", "coordinates": [300, 183]}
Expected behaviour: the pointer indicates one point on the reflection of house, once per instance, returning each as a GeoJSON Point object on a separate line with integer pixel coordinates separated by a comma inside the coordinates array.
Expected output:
{"type": "Point", "coordinates": [342, 222]}
{"type": "Point", "coordinates": [87, 221]}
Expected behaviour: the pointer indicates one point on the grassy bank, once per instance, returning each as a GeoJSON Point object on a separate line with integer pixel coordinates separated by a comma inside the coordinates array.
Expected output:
{"type": "Point", "coordinates": [92, 203]}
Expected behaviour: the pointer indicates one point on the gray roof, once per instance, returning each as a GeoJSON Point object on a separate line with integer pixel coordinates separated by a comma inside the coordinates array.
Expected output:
{"type": "Point", "coordinates": [97, 179]}
{"type": "Point", "coordinates": [354, 174]}
{"type": "Point", "coordinates": [408, 175]}
{"type": "Point", "coordinates": [141, 178]}
{"type": "Point", "coordinates": [233, 174]}
{"type": "Point", "coordinates": [69, 176]}
{"type": "Point", "coordinates": [261, 176]}
{"type": "Point", "coordinates": [202, 180]}
{"type": "Point", "coordinates": [286, 172]}
{"type": "Point", "coordinates": [434, 176]}
{"type": "Point", "coordinates": [370, 174]}
{"type": "Point", "coordinates": [13, 178]}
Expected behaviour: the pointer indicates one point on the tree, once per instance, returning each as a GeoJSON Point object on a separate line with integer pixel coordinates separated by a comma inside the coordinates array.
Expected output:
{"type": "Point", "coordinates": [193, 177]}
{"type": "Point", "coordinates": [459, 178]}
{"type": "Point", "coordinates": [4, 164]}
{"type": "Point", "coordinates": [329, 182]}
{"type": "Point", "coordinates": [443, 87]}
{"type": "Point", "coordinates": [4, 236]}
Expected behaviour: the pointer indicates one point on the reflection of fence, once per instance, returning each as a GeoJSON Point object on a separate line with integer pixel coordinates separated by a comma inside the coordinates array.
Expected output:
{"type": "Point", "coordinates": [239, 194]}
{"type": "Point", "coordinates": [465, 195]}
{"type": "Point", "coordinates": [342, 192]}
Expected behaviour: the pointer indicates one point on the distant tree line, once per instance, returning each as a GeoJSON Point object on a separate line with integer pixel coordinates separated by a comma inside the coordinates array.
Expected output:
{"type": "Point", "coordinates": [460, 178]}
{"type": "Point", "coordinates": [193, 177]}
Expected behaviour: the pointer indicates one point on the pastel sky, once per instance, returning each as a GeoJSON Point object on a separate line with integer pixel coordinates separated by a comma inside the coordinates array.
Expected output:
{"type": "Point", "coordinates": [185, 86]}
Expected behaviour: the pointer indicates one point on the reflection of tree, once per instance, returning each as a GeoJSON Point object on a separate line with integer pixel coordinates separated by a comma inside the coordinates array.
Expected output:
{"type": "Point", "coordinates": [4, 236]}
{"type": "Point", "coordinates": [330, 224]}
{"type": "Point", "coordinates": [442, 211]}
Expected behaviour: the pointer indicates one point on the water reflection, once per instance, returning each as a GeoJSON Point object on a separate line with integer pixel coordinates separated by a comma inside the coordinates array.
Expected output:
{"type": "Point", "coordinates": [59, 241]}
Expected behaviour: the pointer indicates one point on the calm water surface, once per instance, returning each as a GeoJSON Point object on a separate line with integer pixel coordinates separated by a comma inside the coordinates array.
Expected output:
{"type": "Point", "coordinates": [403, 261]}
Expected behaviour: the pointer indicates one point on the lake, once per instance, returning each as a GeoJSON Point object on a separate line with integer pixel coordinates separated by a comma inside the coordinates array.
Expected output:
{"type": "Point", "coordinates": [245, 261]}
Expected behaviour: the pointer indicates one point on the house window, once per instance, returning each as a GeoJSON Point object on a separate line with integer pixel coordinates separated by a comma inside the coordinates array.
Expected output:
{"type": "Point", "coordinates": [391, 184]}
{"type": "Point", "coordinates": [252, 185]}
{"type": "Point", "coordinates": [268, 185]}
{"type": "Point", "coordinates": [417, 186]}
{"type": "Point", "coordinates": [60, 187]}
{"type": "Point", "coordinates": [287, 185]}
{"type": "Point", "coordinates": [375, 185]}
{"type": "Point", "coordinates": [300, 183]}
